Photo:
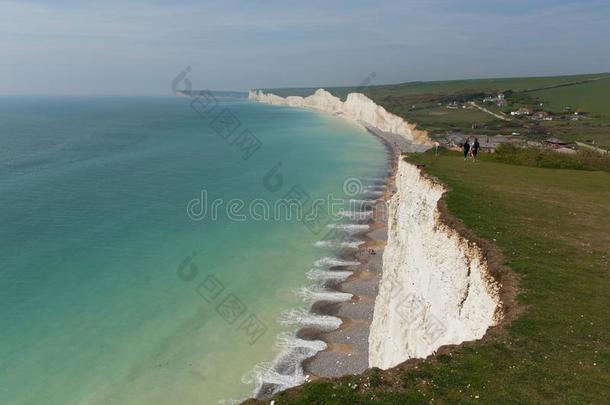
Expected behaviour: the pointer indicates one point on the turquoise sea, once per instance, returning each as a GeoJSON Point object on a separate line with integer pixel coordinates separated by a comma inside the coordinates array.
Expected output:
{"type": "Point", "coordinates": [111, 290]}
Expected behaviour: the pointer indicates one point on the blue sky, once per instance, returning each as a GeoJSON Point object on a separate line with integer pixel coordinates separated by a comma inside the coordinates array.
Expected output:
{"type": "Point", "coordinates": [137, 47]}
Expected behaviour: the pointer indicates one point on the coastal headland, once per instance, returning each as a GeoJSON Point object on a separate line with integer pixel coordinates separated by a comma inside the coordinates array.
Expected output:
{"type": "Point", "coordinates": [348, 347]}
{"type": "Point", "coordinates": [535, 214]}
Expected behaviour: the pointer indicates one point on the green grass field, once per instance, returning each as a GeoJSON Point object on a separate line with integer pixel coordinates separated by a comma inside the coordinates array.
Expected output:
{"type": "Point", "coordinates": [439, 118]}
{"type": "Point", "coordinates": [552, 227]}
{"type": "Point", "coordinates": [593, 97]}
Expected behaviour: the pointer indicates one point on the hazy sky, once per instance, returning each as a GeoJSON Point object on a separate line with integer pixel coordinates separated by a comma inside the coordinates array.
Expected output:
{"type": "Point", "coordinates": [137, 47]}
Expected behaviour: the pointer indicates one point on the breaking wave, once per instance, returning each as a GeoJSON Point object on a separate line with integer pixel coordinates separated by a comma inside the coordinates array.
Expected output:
{"type": "Point", "coordinates": [319, 274]}
{"type": "Point", "coordinates": [287, 340]}
{"type": "Point", "coordinates": [316, 293]}
{"type": "Point", "coordinates": [338, 244]}
{"type": "Point", "coordinates": [355, 202]}
{"type": "Point", "coordinates": [357, 215]}
{"type": "Point", "coordinates": [374, 187]}
{"type": "Point", "coordinates": [372, 192]}
{"type": "Point", "coordinates": [332, 261]}
{"type": "Point", "coordinates": [287, 369]}
{"type": "Point", "coordinates": [303, 318]}
{"type": "Point", "coordinates": [351, 229]}
{"type": "Point", "coordinates": [268, 374]}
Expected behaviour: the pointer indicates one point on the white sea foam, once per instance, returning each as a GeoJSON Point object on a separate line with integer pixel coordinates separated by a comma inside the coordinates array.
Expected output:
{"type": "Point", "coordinates": [287, 369]}
{"type": "Point", "coordinates": [287, 340]}
{"type": "Point", "coordinates": [373, 193]}
{"type": "Point", "coordinates": [333, 261]}
{"type": "Point", "coordinates": [374, 187]}
{"type": "Point", "coordinates": [316, 293]}
{"type": "Point", "coordinates": [303, 318]}
{"type": "Point", "coordinates": [351, 229]}
{"type": "Point", "coordinates": [355, 202]}
{"type": "Point", "coordinates": [231, 401]}
{"type": "Point", "coordinates": [319, 274]}
{"type": "Point", "coordinates": [338, 244]}
{"type": "Point", "coordinates": [265, 373]}
{"type": "Point", "coordinates": [357, 215]}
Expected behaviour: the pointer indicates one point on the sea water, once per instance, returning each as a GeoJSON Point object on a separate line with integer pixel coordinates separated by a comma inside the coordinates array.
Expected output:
{"type": "Point", "coordinates": [116, 286]}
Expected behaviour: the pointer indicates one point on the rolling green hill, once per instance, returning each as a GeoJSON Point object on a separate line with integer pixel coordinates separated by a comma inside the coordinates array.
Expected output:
{"type": "Point", "coordinates": [593, 97]}
{"type": "Point", "coordinates": [447, 87]}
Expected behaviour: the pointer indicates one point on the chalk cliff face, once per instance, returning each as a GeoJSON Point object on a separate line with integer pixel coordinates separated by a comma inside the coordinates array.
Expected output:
{"type": "Point", "coordinates": [435, 288]}
{"type": "Point", "coordinates": [357, 107]}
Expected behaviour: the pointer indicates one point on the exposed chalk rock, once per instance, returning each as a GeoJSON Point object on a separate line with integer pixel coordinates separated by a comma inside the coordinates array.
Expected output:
{"type": "Point", "coordinates": [435, 288]}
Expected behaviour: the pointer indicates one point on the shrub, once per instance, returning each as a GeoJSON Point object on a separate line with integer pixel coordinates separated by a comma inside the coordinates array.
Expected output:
{"type": "Point", "coordinates": [581, 160]}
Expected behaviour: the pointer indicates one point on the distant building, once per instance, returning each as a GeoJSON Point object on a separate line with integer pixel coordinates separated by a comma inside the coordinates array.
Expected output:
{"type": "Point", "coordinates": [558, 145]}
{"type": "Point", "coordinates": [520, 112]}
{"type": "Point", "coordinates": [454, 105]}
{"type": "Point", "coordinates": [554, 142]}
{"type": "Point", "coordinates": [490, 143]}
{"type": "Point", "coordinates": [499, 100]}
{"type": "Point", "coordinates": [542, 116]}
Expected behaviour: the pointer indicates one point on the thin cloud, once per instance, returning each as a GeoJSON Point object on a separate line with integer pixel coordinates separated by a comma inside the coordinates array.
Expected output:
{"type": "Point", "coordinates": [136, 47]}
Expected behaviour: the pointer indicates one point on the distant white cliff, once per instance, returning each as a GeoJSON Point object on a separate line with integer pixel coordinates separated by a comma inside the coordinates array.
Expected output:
{"type": "Point", "coordinates": [357, 107]}
{"type": "Point", "coordinates": [435, 288]}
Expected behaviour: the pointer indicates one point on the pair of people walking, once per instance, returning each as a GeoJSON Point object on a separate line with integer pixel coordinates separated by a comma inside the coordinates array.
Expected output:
{"type": "Point", "coordinates": [471, 149]}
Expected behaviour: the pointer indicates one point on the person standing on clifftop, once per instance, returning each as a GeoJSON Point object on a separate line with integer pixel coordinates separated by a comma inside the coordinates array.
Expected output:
{"type": "Point", "coordinates": [475, 149]}
{"type": "Point", "coordinates": [437, 148]}
{"type": "Point", "coordinates": [466, 149]}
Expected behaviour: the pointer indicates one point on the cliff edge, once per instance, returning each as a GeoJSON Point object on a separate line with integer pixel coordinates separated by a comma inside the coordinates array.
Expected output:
{"type": "Point", "coordinates": [436, 287]}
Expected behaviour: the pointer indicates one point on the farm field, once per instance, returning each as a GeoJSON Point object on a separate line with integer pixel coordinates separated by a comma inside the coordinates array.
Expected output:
{"type": "Point", "coordinates": [593, 97]}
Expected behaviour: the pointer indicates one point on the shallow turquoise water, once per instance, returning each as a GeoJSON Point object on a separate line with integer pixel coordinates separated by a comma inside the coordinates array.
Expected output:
{"type": "Point", "coordinates": [109, 292]}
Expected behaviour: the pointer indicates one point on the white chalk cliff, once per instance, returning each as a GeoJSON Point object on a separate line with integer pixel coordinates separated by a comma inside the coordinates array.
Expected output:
{"type": "Point", "coordinates": [357, 107]}
{"type": "Point", "coordinates": [435, 288]}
